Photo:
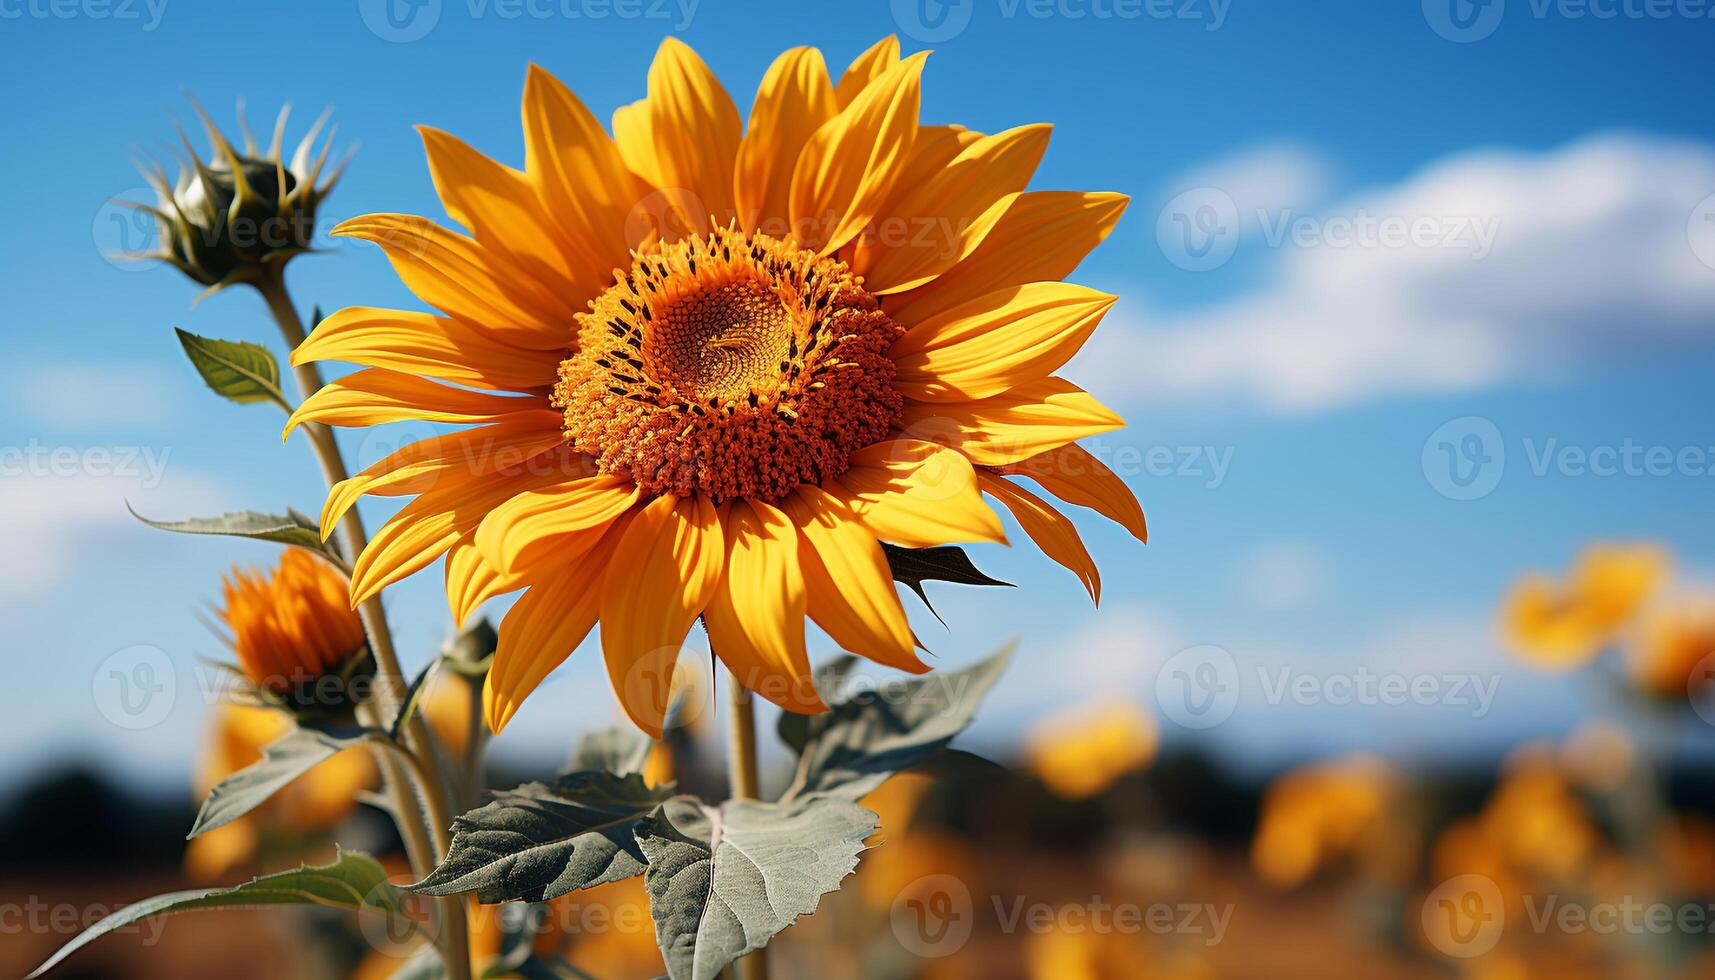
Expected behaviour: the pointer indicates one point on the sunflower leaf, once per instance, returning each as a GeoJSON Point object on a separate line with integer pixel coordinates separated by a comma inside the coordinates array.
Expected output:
{"type": "Point", "coordinates": [293, 529]}
{"type": "Point", "coordinates": [283, 760]}
{"type": "Point", "coordinates": [621, 750]}
{"type": "Point", "coordinates": [236, 370]}
{"type": "Point", "coordinates": [722, 881]}
{"type": "Point", "coordinates": [948, 563]}
{"type": "Point", "coordinates": [878, 731]}
{"type": "Point", "coordinates": [540, 840]}
{"type": "Point", "coordinates": [353, 881]}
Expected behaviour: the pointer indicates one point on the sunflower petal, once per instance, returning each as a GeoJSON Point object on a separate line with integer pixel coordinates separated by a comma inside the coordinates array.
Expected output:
{"type": "Point", "coordinates": [917, 494]}
{"type": "Point", "coordinates": [756, 619]}
{"type": "Point", "coordinates": [693, 132]}
{"type": "Point", "coordinates": [848, 168]}
{"type": "Point", "coordinates": [663, 572]}
{"type": "Point", "coordinates": [1024, 422]}
{"type": "Point", "coordinates": [866, 68]}
{"type": "Point", "coordinates": [1009, 337]}
{"type": "Point", "coordinates": [471, 581]}
{"type": "Point", "coordinates": [423, 343]}
{"type": "Point", "coordinates": [1073, 475]}
{"type": "Point", "coordinates": [1042, 236]}
{"type": "Point", "coordinates": [1049, 528]}
{"type": "Point", "coordinates": [374, 396]}
{"type": "Point", "coordinates": [794, 100]}
{"type": "Point", "coordinates": [847, 582]}
{"type": "Point", "coordinates": [553, 524]}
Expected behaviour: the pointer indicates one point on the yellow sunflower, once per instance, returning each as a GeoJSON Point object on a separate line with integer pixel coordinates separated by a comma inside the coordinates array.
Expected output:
{"type": "Point", "coordinates": [292, 626]}
{"type": "Point", "coordinates": [709, 368]}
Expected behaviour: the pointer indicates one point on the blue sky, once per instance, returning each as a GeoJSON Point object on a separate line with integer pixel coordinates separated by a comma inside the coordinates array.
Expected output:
{"type": "Point", "coordinates": [1559, 294]}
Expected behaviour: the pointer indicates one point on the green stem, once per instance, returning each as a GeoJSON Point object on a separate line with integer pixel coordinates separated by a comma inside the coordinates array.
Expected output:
{"type": "Point", "coordinates": [454, 938]}
{"type": "Point", "coordinates": [742, 772]}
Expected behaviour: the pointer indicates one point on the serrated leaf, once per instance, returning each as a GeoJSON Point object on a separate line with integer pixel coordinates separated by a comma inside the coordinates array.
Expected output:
{"type": "Point", "coordinates": [853, 747]}
{"type": "Point", "coordinates": [293, 529]}
{"type": "Point", "coordinates": [621, 749]}
{"type": "Point", "coordinates": [948, 563]}
{"type": "Point", "coordinates": [724, 881]}
{"type": "Point", "coordinates": [354, 881]}
{"type": "Point", "coordinates": [236, 370]}
{"type": "Point", "coordinates": [540, 841]}
{"type": "Point", "coordinates": [284, 760]}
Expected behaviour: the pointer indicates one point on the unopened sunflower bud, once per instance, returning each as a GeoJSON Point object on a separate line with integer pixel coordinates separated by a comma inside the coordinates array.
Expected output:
{"type": "Point", "coordinates": [297, 640]}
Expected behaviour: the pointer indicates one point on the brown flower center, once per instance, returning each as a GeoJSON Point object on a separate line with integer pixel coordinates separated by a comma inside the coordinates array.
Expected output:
{"type": "Point", "coordinates": [734, 365]}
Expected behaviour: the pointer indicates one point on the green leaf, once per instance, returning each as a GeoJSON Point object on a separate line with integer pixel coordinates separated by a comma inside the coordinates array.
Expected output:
{"type": "Point", "coordinates": [354, 881]}
{"type": "Point", "coordinates": [723, 881]}
{"type": "Point", "coordinates": [294, 754]}
{"type": "Point", "coordinates": [293, 529]}
{"type": "Point", "coordinates": [540, 841]}
{"type": "Point", "coordinates": [853, 747]}
{"type": "Point", "coordinates": [948, 563]}
{"type": "Point", "coordinates": [621, 749]}
{"type": "Point", "coordinates": [236, 370]}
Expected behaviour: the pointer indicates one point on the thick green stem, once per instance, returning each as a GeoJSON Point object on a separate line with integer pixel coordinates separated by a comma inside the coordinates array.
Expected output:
{"type": "Point", "coordinates": [453, 938]}
{"type": "Point", "coordinates": [742, 773]}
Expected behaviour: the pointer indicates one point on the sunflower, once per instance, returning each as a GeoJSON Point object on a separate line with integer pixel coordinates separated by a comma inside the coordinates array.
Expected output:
{"type": "Point", "coordinates": [708, 368]}
{"type": "Point", "coordinates": [291, 627]}
{"type": "Point", "coordinates": [1559, 625]}
{"type": "Point", "coordinates": [1667, 659]}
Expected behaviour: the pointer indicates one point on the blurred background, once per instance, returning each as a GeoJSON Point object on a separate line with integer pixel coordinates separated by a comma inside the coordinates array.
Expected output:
{"type": "Point", "coordinates": [1416, 326]}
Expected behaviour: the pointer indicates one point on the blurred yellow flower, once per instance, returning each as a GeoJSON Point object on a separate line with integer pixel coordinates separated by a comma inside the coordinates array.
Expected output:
{"type": "Point", "coordinates": [1082, 753]}
{"type": "Point", "coordinates": [1674, 640]}
{"type": "Point", "coordinates": [292, 626]}
{"type": "Point", "coordinates": [1558, 625]}
{"type": "Point", "coordinates": [1322, 813]}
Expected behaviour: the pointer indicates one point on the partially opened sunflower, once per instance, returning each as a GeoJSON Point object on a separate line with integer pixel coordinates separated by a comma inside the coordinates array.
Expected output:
{"type": "Point", "coordinates": [708, 368]}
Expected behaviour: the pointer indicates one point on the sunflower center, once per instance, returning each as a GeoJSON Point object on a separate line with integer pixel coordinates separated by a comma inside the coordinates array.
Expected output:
{"type": "Point", "coordinates": [733, 365]}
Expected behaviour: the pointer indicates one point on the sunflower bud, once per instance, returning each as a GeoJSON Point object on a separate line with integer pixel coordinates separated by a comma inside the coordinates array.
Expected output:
{"type": "Point", "coordinates": [241, 216]}
{"type": "Point", "coordinates": [298, 642]}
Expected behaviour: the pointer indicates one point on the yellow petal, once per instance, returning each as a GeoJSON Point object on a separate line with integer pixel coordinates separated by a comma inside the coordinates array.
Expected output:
{"type": "Point", "coordinates": [1030, 419]}
{"type": "Point", "coordinates": [423, 465]}
{"type": "Point", "coordinates": [542, 629]}
{"type": "Point", "coordinates": [471, 581]}
{"type": "Point", "coordinates": [1042, 236]}
{"type": "Point", "coordinates": [581, 177]}
{"type": "Point", "coordinates": [1010, 337]}
{"type": "Point", "coordinates": [795, 99]}
{"type": "Point", "coordinates": [848, 168]}
{"type": "Point", "coordinates": [756, 619]}
{"type": "Point", "coordinates": [1049, 528]}
{"type": "Point", "coordinates": [1073, 475]}
{"type": "Point", "coordinates": [693, 133]}
{"type": "Point", "coordinates": [932, 149]}
{"type": "Point", "coordinates": [553, 524]}
{"type": "Point", "coordinates": [375, 396]}
{"type": "Point", "coordinates": [661, 576]}
{"type": "Point", "coordinates": [423, 343]}
{"type": "Point", "coordinates": [930, 226]}
{"type": "Point", "coordinates": [848, 585]}
{"type": "Point", "coordinates": [460, 277]}
{"type": "Point", "coordinates": [866, 68]}
{"type": "Point", "coordinates": [917, 494]}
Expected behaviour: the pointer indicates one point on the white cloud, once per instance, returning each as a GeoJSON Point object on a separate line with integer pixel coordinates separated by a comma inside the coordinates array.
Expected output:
{"type": "Point", "coordinates": [1518, 266]}
{"type": "Point", "coordinates": [1283, 575]}
{"type": "Point", "coordinates": [1272, 177]}
{"type": "Point", "coordinates": [95, 395]}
